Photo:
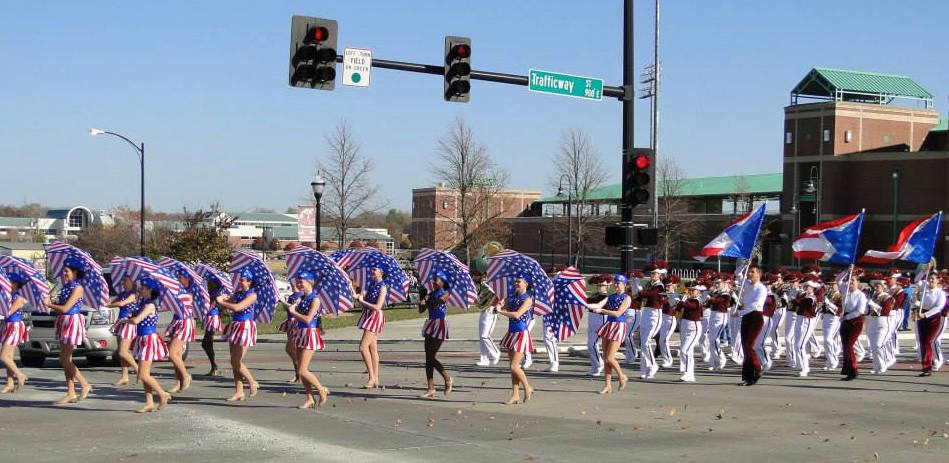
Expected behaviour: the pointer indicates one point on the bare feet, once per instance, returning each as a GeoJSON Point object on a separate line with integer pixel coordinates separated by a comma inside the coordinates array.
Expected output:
{"type": "Point", "coordinates": [84, 392]}
{"type": "Point", "coordinates": [186, 384]}
{"type": "Point", "coordinates": [237, 397]}
{"type": "Point", "coordinates": [308, 404]}
{"type": "Point", "coordinates": [515, 399]}
{"type": "Point", "coordinates": [146, 408]}
{"type": "Point", "coordinates": [324, 392]}
{"type": "Point", "coordinates": [448, 385]}
{"type": "Point", "coordinates": [67, 399]}
{"type": "Point", "coordinates": [253, 389]}
{"type": "Point", "coordinates": [428, 394]}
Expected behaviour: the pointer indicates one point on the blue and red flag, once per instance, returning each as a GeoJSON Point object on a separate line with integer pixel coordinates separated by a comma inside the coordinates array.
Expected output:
{"type": "Point", "coordinates": [738, 240]}
{"type": "Point", "coordinates": [916, 243]}
{"type": "Point", "coordinates": [834, 241]}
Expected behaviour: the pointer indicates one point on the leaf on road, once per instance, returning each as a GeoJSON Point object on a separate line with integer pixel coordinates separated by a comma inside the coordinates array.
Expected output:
{"type": "Point", "coordinates": [672, 411]}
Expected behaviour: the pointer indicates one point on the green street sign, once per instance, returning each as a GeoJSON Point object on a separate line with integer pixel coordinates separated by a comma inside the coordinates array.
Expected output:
{"type": "Point", "coordinates": [565, 84]}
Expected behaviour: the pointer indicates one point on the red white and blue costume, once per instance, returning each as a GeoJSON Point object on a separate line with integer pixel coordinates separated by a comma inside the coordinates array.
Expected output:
{"type": "Point", "coordinates": [242, 330]}
{"type": "Point", "coordinates": [148, 345]}
{"type": "Point", "coordinates": [614, 328]}
{"type": "Point", "coordinates": [308, 336]}
{"type": "Point", "coordinates": [182, 323]}
{"type": "Point", "coordinates": [373, 320]}
{"type": "Point", "coordinates": [289, 325]}
{"type": "Point", "coordinates": [435, 326]}
{"type": "Point", "coordinates": [13, 332]}
{"type": "Point", "coordinates": [122, 328]}
{"type": "Point", "coordinates": [518, 338]}
{"type": "Point", "coordinates": [212, 319]}
{"type": "Point", "coordinates": [70, 326]}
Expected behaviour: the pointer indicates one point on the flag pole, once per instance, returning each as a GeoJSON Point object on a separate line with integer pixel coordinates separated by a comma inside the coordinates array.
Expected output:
{"type": "Point", "coordinates": [744, 278]}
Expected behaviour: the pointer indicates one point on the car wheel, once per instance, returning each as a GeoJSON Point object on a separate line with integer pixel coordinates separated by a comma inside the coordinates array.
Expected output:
{"type": "Point", "coordinates": [97, 360]}
{"type": "Point", "coordinates": [32, 360]}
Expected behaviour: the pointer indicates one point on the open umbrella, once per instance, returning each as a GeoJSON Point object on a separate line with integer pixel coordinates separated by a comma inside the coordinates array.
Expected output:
{"type": "Point", "coordinates": [202, 299]}
{"type": "Point", "coordinates": [505, 267]}
{"type": "Point", "coordinates": [332, 284]}
{"type": "Point", "coordinates": [570, 302]}
{"type": "Point", "coordinates": [95, 286]}
{"type": "Point", "coordinates": [395, 277]}
{"type": "Point", "coordinates": [429, 263]}
{"type": "Point", "coordinates": [172, 297]}
{"type": "Point", "coordinates": [207, 271]}
{"type": "Point", "coordinates": [345, 257]}
{"type": "Point", "coordinates": [264, 284]}
{"type": "Point", "coordinates": [6, 294]}
{"type": "Point", "coordinates": [36, 289]}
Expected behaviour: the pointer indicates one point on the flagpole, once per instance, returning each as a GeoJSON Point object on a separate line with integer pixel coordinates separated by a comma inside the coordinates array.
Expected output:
{"type": "Point", "coordinates": [744, 278]}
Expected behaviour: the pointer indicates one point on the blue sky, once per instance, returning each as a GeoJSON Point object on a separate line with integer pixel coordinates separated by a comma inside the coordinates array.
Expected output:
{"type": "Point", "coordinates": [204, 84]}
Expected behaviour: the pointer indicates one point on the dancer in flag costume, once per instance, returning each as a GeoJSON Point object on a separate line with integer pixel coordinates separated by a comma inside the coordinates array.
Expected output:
{"type": "Point", "coordinates": [929, 319]}
{"type": "Point", "coordinates": [435, 331]}
{"type": "Point", "coordinates": [289, 326]}
{"type": "Point", "coordinates": [127, 302]}
{"type": "Point", "coordinates": [212, 320]}
{"type": "Point", "coordinates": [149, 347]}
{"type": "Point", "coordinates": [305, 314]}
{"type": "Point", "coordinates": [519, 308]}
{"type": "Point", "coordinates": [181, 330]}
{"type": "Point", "coordinates": [70, 328]}
{"type": "Point", "coordinates": [241, 333]}
{"type": "Point", "coordinates": [13, 331]}
{"type": "Point", "coordinates": [851, 324]}
{"type": "Point", "coordinates": [633, 317]}
{"type": "Point", "coordinates": [371, 322]}
{"type": "Point", "coordinates": [594, 322]}
{"type": "Point", "coordinates": [613, 331]}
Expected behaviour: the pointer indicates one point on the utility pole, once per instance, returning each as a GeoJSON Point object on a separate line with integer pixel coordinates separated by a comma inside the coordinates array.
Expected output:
{"type": "Point", "coordinates": [657, 70]}
{"type": "Point", "coordinates": [629, 71]}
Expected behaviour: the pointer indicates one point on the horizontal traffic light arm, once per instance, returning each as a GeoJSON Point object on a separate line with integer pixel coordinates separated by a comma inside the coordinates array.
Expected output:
{"type": "Point", "coordinates": [499, 77]}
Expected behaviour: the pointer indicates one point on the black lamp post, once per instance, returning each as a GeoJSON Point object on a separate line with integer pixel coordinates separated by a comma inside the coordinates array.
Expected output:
{"type": "Point", "coordinates": [569, 216]}
{"type": "Point", "coordinates": [140, 150]}
{"type": "Point", "coordinates": [896, 200]}
{"type": "Point", "coordinates": [317, 184]}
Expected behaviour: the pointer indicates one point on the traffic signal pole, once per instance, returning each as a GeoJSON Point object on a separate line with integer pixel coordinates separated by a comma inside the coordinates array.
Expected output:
{"type": "Point", "coordinates": [626, 213]}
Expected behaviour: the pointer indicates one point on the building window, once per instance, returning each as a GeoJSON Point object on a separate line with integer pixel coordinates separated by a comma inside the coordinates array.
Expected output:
{"type": "Point", "coordinates": [826, 135]}
{"type": "Point", "coordinates": [886, 139]}
{"type": "Point", "coordinates": [788, 138]}
{"type": "Point", "coordinates": [807, 137]}
{"type": "Point", "coordinates": [848, 135]}
{"type": "Point", "coordinates": [444, 204]}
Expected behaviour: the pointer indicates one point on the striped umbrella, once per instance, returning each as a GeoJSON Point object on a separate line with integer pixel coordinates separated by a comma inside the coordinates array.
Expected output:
{"type": "Point", "coordinates": [430, 262]}
{"type": "Point", "coordinates": [395, 277]}
{"type": "Point", "coordinates": [345, 257]}
{"type": "Point", "coordinates": [93, 282]}
{"type": "Point", "coordinates": [570, 302]}
{"type": "Point", "coordinates": [264, 284]}
{"type": "Point", "coordinates": [37, 288]}
{"type": "Point", "coordinates": [332, 283]}
{"type": "Point", "coordinates": [208, 271]}
{"type": "Point", "coordinates": [506, 266]}
{"type": "Point", "coordinates": [202, 299]}
{"type": "Point", "coordinates": [6, 294]}
{"type": "Point", "coordinates": [172, 297]}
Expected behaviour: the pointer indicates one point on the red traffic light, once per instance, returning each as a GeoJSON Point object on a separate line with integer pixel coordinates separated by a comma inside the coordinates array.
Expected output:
{"type": "Point", "coordinates": [461, 51]}
{"type": "Point", "coordinates": [319, 34]}
{"type": "Point", "coordinates": [641, 162]}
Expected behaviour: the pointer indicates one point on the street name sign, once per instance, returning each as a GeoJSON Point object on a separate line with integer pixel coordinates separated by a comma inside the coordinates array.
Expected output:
{"type": "Point", "coordinates": [357, 63]}
{"type": "Point", "coordinates": [565, 84]}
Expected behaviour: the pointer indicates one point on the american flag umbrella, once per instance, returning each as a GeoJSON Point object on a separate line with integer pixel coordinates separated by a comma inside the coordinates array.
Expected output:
{"type": "Point", "coordinates": [430, 262]}
{"type": "Point", "coordinates": [36, 289]}
{"type": "Point", "coordinates": [94, 284]}
{"type": "Point", "coordinates": [202, 299]}
{"type": "Point", "coordinates": [505, 266]}
{"type": "Point", "coordinates": [332, 284]}
{"type": "Point", "coordinates": [6, 290]}
{"type": "Point", "coordinates": [264, 284]}
{"type": "Point", "coordinates": [570, 302]}
{"type": "Point", "coordinates": [395, 277]}
{"type": "Point", "coordinates": [345, 257]}
{"type": "Point", "coordinates": [206, 271]}
{"type": "Point", "coordinates": [172, 297]}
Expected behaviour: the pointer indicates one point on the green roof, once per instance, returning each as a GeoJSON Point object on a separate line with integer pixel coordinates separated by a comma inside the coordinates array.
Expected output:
{"type": "Point", "coordinates": [700, 186]}
{"type": "Point", "coordinates": [262, 217]}
{"type": "Point", "coordinates": [825, 82]}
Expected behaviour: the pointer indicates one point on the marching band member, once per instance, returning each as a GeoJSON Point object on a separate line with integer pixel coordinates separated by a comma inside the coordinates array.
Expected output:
{"type": "Point", "coordinates": [938, 358]}
{"type": "Point", "coordinates": [241, 332]}
{"type": "Point", "coordinates": [691, 310]}
{"type": "Point", "coordinates": [519, 308]}
{"type": "Point", "coordinates": [854, 307]}
{"type": "Point", "coordinates": [149, 347]}
{"type": "Point", "coordinates": [780, 311]}
{"type": "Point", "coordinates": [878, 325]}
{"type": "Point", "coordinates": [814, 345]}
{"type": "Point", "coordinates": [897, 290]}
{"type": "Point", "coordinates": [733, 325]}
{"type": "Point", "coordinates": [928, 319]}
{"type": "Point", "coordinates": [181, 331]}
{"type": "Point", "coordinates": [212, 321]}
{"type": "Point", "coordinates": [124, 332]}
{"type": "Point", "coordinates": [719, 302]}
{"type": "Point", "coordinates": [70, 328]}
{"type": "Point", "coordinates": [371, 322]}
{"type": "Point", "coordinates": [668, 320]}
{"type": "Point", "coordinates": [830, 325]}
{"type": "Point", "coordinates": [652, 298]}
{"type": "Point", "coordinates": [305, 313]}
{"type": "Point", "coordinates": [13, 334]}
{"type": "Point", "coordinates": [594, 322]}
{"type": "Point", "coordinates": [805, 324]}
{"type": "Point", "coordinates": [752, 324]}
{"type": "Point", "coordinates": [435, 332]}
{"type": "Point", "coordinates": [289, 326]}
{"type": "Point", "coordinates": [767, 312]}
{"type": "Point", "coordinates": [613, 330]}
{"type": "Point", "coordinates": [633, 316]}
{"type": "Point", "coordinates": [795, 294]}
{"type": "Point", "coordinates": [487, 318]}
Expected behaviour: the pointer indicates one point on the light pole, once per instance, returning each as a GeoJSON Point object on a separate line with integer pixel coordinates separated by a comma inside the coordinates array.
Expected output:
{"type": "Point", "coordinates": [896, 199]}
{"type": "Point", "coordinates": [812, 182]}
{"type": "Point", "coordinates": [317, 184]}
{"type": "Point", "coordinates": [140, 150]}
{"type": "Point", "coordinates": [569, 215]}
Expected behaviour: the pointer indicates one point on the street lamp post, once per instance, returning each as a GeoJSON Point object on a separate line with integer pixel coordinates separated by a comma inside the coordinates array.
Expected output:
{"type": "Point", "coordinates": [896, 200]}
{"type": "Point", "coordinates": [317, 184]}
{"type": "Point", "coordinates": [569, 215]}
{"type": "Point", "coordinates": [140, 150]}
{"type": "Point", "coordinates": [812, 187]}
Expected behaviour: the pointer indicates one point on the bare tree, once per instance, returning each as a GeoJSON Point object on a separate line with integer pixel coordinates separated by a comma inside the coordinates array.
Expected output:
{"type": "Point", "coordinates": [465, 166]}
{"type": "Point", "coordinates": [348, 191]}
{"type": "Point", "coordinates": [579, 161]}
{"type": "Point", "coordinates": [676, 227]}
{"type": "Point", "coordinates": [741, 201]}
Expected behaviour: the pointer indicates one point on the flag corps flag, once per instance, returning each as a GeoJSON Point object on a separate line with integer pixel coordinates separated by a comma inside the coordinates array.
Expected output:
{"type": "Point", "coordinates": [834, 241]}
{"type": "Point", "coordinates": [916, 243]}
{"type": "Point", "coordinates": [738, 240]}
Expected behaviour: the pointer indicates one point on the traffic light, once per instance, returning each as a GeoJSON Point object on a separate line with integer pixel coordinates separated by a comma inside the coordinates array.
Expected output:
{"type": "Point", "coordinates": [638, 172]}
{"type": "Point", "coordinates": [457, 68]}
{"type": "Point", "coordinates": [313, 52]}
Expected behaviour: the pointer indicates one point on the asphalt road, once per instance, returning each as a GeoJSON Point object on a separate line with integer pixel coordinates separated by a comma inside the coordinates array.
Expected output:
{"type": "Point", "coordinates": [896, 417]}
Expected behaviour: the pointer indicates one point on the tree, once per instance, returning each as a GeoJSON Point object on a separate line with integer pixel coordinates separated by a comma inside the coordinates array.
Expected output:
{"type": "Point", "coordinates": [578, 160]}
{"type": "Point", "coordinates": [348, 191]}
{"type": "Point", "coordinates": [741, 202]}
{"type": "Point", "coordinates": [203, 238]}
{"type": "Point", "coordinates": [676, 228]}
{"type": "Point", "coordinates": [465, 166]}
{"type": "Point", "coordinates": [105, 242]}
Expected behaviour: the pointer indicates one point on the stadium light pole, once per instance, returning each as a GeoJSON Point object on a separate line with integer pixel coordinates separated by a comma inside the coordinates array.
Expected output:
{"type": "Point", "coordinates": [140, 150]}
{"type": "Point", "coordinates": [569, 215]}
{"type": "Point", "coordinates": [318, 184]}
